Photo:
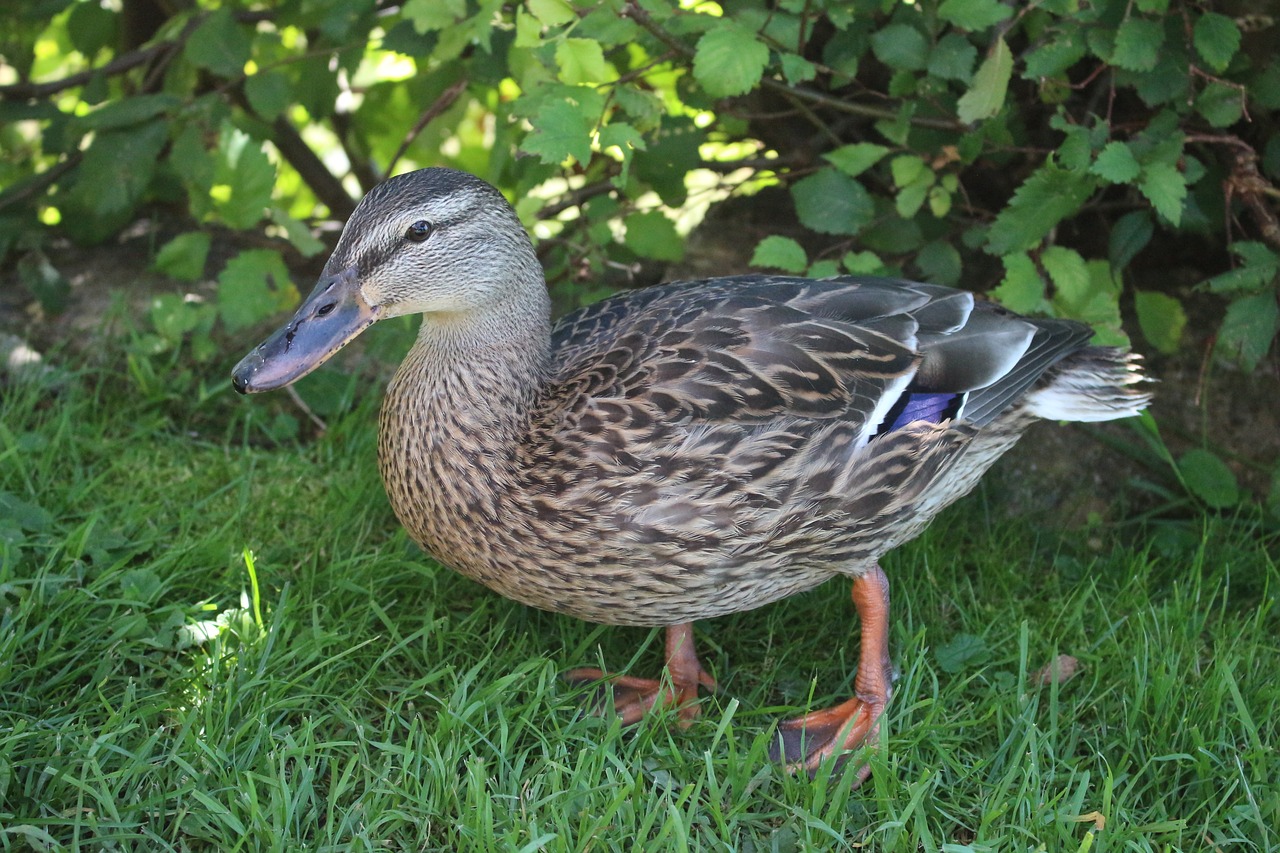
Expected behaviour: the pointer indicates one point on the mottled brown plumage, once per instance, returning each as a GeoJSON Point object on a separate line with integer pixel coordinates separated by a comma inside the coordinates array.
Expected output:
{"type": "Point", "coordinates": [683, 451]}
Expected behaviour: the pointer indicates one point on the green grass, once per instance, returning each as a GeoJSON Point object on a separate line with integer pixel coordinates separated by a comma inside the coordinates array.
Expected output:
{"type": "Point", "coordinates": [365, 698]}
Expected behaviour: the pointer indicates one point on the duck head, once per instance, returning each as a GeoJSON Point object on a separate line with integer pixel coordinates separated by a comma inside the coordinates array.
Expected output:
{"type": "Point", "coordinates": [436, 241]}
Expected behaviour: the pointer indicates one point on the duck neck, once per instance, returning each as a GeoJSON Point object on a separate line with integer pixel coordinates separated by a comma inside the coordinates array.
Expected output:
{"type": "Point", "coordinates": [472, 379]}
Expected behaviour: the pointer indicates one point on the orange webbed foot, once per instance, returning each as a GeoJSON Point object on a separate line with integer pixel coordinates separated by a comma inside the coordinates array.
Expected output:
{"type": "Point", "coordinates": [634, 697]}
{"type": "Point", "coordinates": [806, 743]}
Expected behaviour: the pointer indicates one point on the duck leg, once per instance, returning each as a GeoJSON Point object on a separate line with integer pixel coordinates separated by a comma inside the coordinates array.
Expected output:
{"type": "Point", "coordinates": [634, 697]}
{"type": "Point", "coordinates": [805, 743]}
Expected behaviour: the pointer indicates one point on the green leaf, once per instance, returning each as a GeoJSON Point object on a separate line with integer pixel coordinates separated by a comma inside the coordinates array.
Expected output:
{"type": "Point", "coordinates": [908, 168]}
{"type": "Point", "coordinates": [781, 253]}
{"type": "Point", "coordinates": [1045, 198]}
{"type": "Point", "coordinates": [962, 652]}
{"type": "Point", "coordinates": [940, 263]}
{"type": "Point", "coordinates": [1220, 104]}
{"type": "Point", "coordinates": [855, 159]}
{"type": "Point", "coordinates": [627, 140]}
{"type": "Point", "coordinates": [797, 69]}
{"type": "Point", "coordinates": [581, 61]}
{"type": "Point", "coordinates": [1056, 56]}
{"type": "Point", "coordinates": [173, 316]}
{"type": "Point", "coordinates": [1161, 319]}
{"type": "Point", "coordinates": [1116, 164]}
{"type": "Point", "coordinates": [901, 47]}
{"type": "Point", "coordinates": [1217, 38]}
{"type": "Point", "coordinates": [1022, 288]}
{"type": "Point", "coordinates": [129, 112]}
{"type": "Point", "coordinates": [952, 58]}
{"type": "Point", "coordinates": [552, 13]}
{"type": "Point", "coordinates": [653, 235]}
{"type": "Point", "coordinates": [1209, 478]}
{"type": "Point", "coordinates": [831, 202]}
{"type": "Point", "coordinates": [1249, 329]}
{"type": "Point", "coordinates": [1259, 269]}
{"type": "Point", "coordinates": [986, 96]}
{"type": "Point", "coordinates": [298, 234]}
{"type": "Point", "coordinates": [1129, 236]}
{"type": "Point", "coordinates": [433, 15]}
{"type": "Point", "coordinates": [1138, 42]}
{"type": "Point", "coordinates": [91, 27]}
{"type": "Point", "coordinates": [254, 285]}
{"type": "Point", "coordinates": [729, 60]}
{"type": "Point", "coordinates": [183, 257]}
{"type": "Point", "coordinates": [974, 14]}
{"type": "Point", "coordinates": [118, 166]}
{"type": "Point", "coordinates": [269, 93]}
{"type": "Point", "coordinates": [1166, 188]}
{"type": "Point", "coordinates": [29, 516]}
{"type": "Point", "coordinates": [244, 179]}
{"type": "Point", "coordinates": [219, 45]}
{"type": "Point", "coordinates": [561, 130]}
{"type": "Point", "coordinates": [1068, 272]}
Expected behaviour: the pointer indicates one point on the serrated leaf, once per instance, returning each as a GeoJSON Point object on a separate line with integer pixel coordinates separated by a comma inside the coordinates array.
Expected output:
{"type": "Point", "coordinates": [298, 234]}
{"type": "Point", "coordinates": [855, 159]}
{"type": "Point", "coordinates": [974, 14]}
{"type": "Point", "coordinates": [940, 263]}
{"type": "Point", "coordinates": [254, 285]}
{"type": "Point", "coordinates": [729, 60]}
{"type": "Point", "coordinates": [434, 15]}
{"type": "Point", "coordinates": [244, 179]}
{"type": "Point", "coordinates": [1116, 163]}
{"type": "Point", "coordinates": [129, 112]}
{"type": "Point", "coordinates": [173, 317]}
{"type": "Point", "coordinates": [1259, 268]}
{"type": "Point", "coordinates": [183, 257]}
{"type": "Point", "coordinates": [1166, 188]}
{"type": "Point", "coordinates": [118, 166]}
{"type": "Point", "coordinates": [797, 69]}
{"type": "Point", "coordinates": [1138, 42]}
{"type": "Point", "coordinates": [581, 61]}
{"type": "Point", "coordinates": [864, 263]}
{"type": "Point", "coordinates": [268, 93]}
{"type": "Point", "coordinates": [901, 47]}
{"type": "Point", "coordinates": [962, 652]}
{"type": "Point", "coordinates": [219, 45]}
{"type": "Point", "coordinates": [653, 235]}
{"type": "Point", "coordinates": [1161, 319]}
{"type": "Point", "coordinates": [1220, 104]}
{"type": "Point", "coordinates": [831, 202]}
{"type": "Point", "coordinates": [1056, 56]}
{"type": "Point", "coordinates": [986, 96]}
{"type": "Point", "coordinates": [952, 58]}
{"type": "Point", "coordinates": [1045, 198]}
{"type": "Point", "coordinates": [1068, 272]}
{"type": "Point", "coordinates": [627, 140]}
{"type": "Point", "coordinates": [780, 253]}
{"type": "Point", "coordinates": [561, 130]}
{"type": "Point", "coordinates": [1129, 236]}
{"type": "Point", "coordinates": [1209, 478]}
{"type": "Point", "coordinates": [552, 13]}
{"type": "Point", "coordinates": [1022, 288]}
{"type": "Point", "coordinates": [1217, 38]}
{"type": "Point", "coordinates": [1249, 329]}
{"type": "Point", "coordinates": [27, 515]}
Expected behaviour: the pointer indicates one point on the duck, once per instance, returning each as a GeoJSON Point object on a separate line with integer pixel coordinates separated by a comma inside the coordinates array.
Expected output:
{"type": "Point", "coordinates": [682, 451]}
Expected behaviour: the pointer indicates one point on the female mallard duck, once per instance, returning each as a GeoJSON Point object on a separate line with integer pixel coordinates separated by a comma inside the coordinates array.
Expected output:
{"type": "Point", "coordinates": [683, 451]}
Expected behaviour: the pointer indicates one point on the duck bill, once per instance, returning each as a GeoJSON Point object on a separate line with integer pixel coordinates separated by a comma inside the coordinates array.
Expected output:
{"type": "Point", "coordinates": [334, 313]}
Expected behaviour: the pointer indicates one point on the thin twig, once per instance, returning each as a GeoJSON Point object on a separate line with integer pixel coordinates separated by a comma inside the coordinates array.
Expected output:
{"type": "Point", "coordinates": [442, 103]}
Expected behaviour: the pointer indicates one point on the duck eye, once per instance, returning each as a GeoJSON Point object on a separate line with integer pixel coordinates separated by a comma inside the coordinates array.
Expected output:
{"type": "Point", "coordinates": [418, 231]}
